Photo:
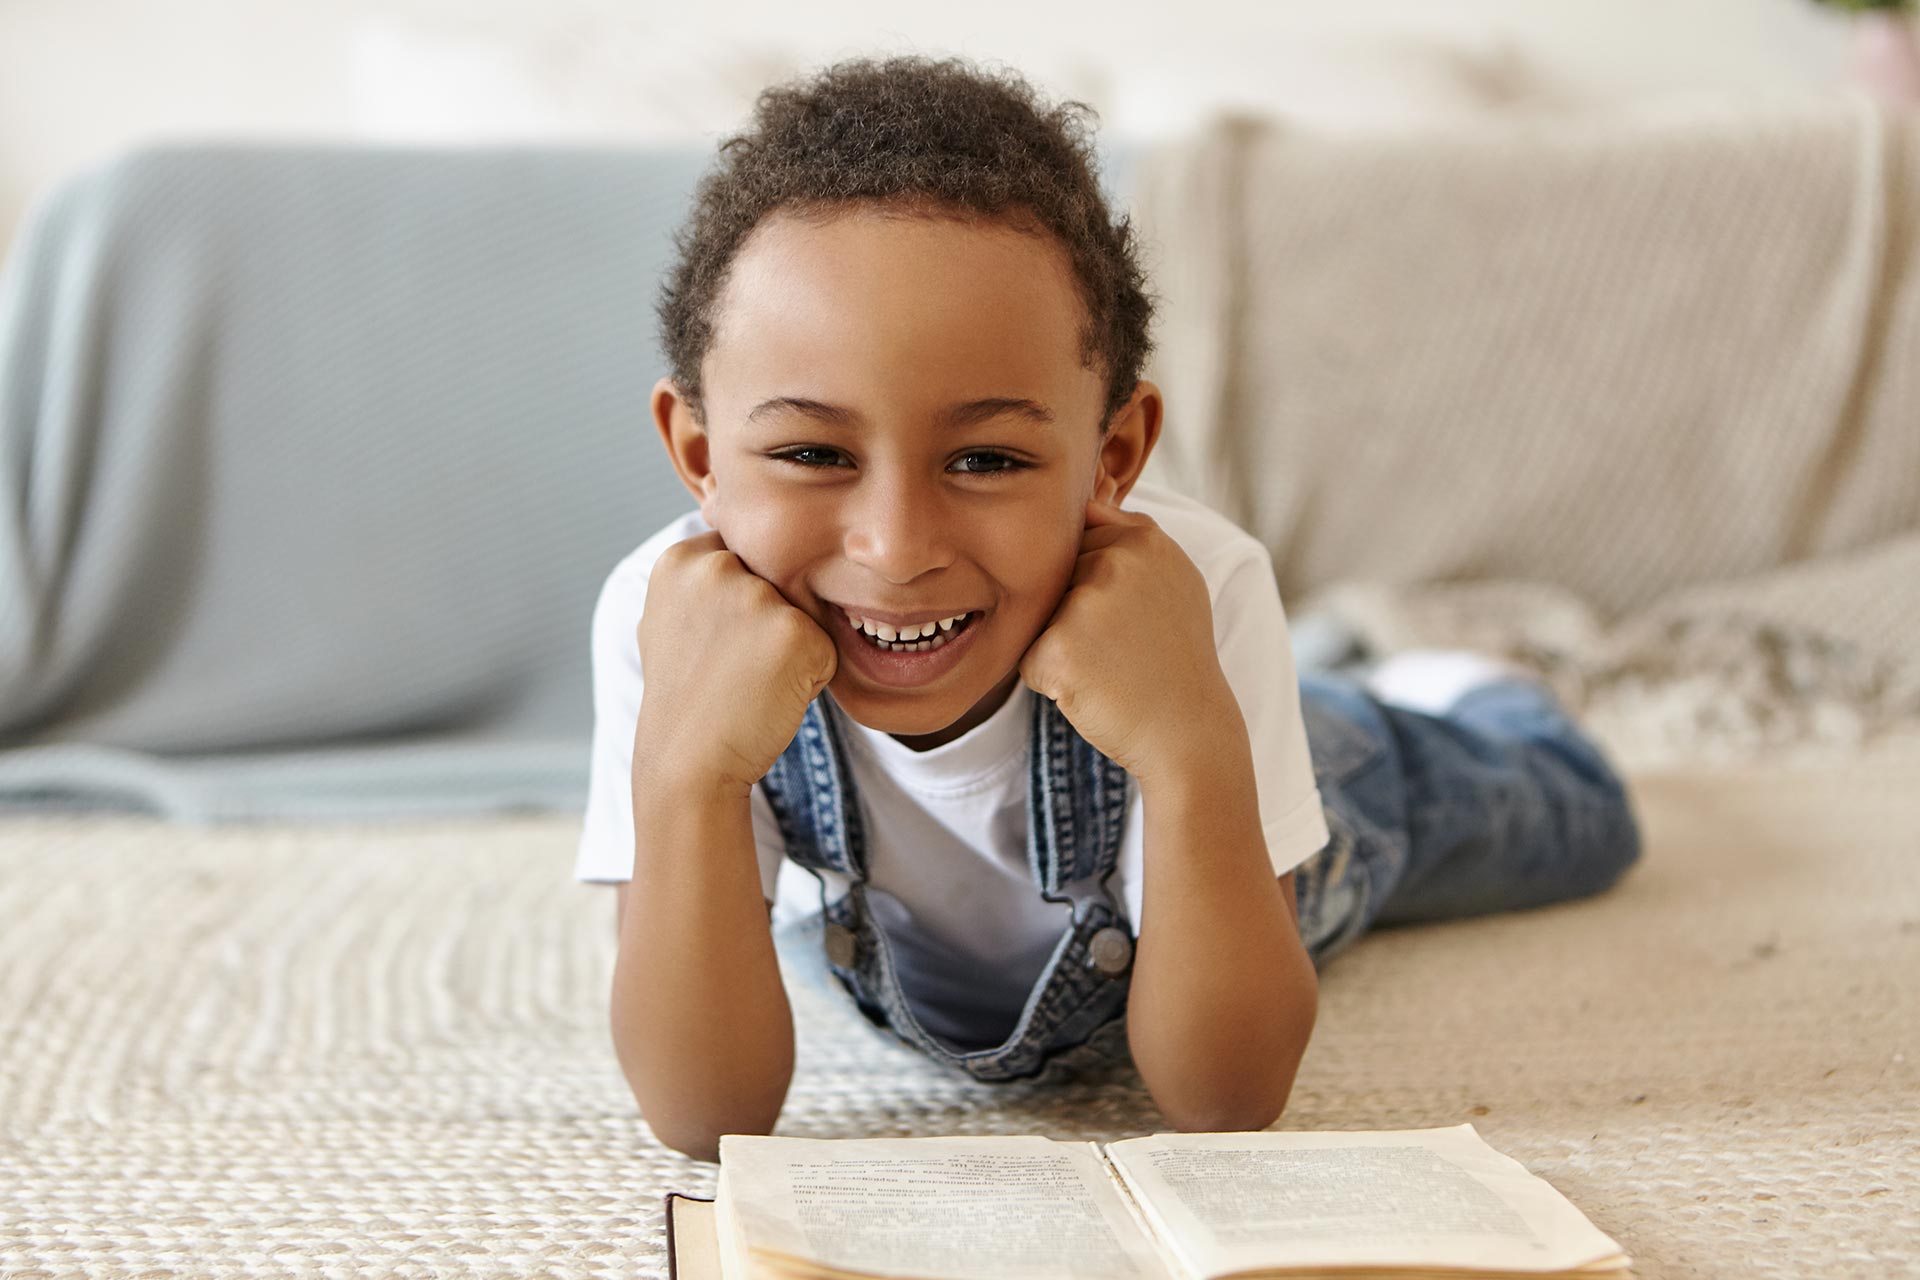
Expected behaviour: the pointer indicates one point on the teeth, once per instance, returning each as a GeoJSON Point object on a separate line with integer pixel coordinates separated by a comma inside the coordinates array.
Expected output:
{"type": "Point", "coordinates": [916, 637]}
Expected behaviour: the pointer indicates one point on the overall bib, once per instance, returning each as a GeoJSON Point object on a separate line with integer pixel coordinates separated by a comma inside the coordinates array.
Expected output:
{"type": "Point", "coordinates": [1076, 813]}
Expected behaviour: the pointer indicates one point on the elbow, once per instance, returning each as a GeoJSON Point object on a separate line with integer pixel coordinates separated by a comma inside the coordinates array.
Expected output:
{"type": "Point", "coordinates": [1252, 1098]}
{"type": "Point", "coordinates": [689, 1114]}
{"type": "Point", "coordinates": [695, 1146]}
{"type": "Point", "coordinates": [693, 1094]}
{"type": "Point", "coordinates": [697, 1140]}
{"type": "Point", "coordinates": [1241, 1104]}
{"type": "Point", "coordinates": [1230, 1115]}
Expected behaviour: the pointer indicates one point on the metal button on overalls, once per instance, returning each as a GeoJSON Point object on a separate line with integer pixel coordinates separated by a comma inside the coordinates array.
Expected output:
{"type": "Point", "coordinates": [1111, 951]}
{"type": "Point", "coordinates": [842, 945]}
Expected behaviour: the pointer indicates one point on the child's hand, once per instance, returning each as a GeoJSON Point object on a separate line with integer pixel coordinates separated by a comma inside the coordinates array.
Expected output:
{"type": "Point", "coordinates": [1128, 653]}
{"type": "Point", "coordinates": [729, 667]}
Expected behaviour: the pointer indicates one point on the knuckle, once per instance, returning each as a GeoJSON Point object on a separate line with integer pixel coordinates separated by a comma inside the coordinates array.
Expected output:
{"type": "Point", "coordinates": [713, 568]}
{"type": "Point", "coordinates": [794, 626]}
{"type": "Point", "coordinates": [680, 552]}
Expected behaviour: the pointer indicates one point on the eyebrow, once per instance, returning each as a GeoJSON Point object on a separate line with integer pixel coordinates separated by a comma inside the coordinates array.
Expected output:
{"type": "Point", "coordinates": [958, 415]}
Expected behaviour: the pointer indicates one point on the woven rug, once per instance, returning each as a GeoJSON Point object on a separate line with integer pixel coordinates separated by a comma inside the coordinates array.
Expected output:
{"type": "Point", "coordinates": [383, 1049]}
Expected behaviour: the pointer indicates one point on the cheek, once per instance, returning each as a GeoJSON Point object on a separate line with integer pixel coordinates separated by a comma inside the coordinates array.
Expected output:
{"type": "Point", "coordinates": [1035, 573]}
{"type": "Point", "coordinates": [765, 532]}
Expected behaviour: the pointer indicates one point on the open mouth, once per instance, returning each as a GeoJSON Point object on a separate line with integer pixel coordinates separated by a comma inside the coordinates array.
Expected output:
{"type": "Point", "coordinates": [904, 656]}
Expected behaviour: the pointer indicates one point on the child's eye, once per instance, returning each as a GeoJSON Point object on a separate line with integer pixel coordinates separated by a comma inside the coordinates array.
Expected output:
{"type": "Point", "coordinates": [799, 455]}
{"type": "Point", "coordinates": [1007, 462]}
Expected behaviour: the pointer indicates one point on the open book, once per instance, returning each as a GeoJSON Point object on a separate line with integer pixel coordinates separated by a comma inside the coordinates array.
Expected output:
{"type": "Point", "coordinates": [1174, 1206]}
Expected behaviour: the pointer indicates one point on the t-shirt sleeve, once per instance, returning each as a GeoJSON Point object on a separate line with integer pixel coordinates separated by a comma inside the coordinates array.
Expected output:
{"type": "Point", "coordinates": [605, 852]}
{"type": "Point", "coordinates": [1256, 654]}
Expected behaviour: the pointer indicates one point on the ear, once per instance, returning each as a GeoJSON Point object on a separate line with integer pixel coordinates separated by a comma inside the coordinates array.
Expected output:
{"type": "Point", "coordinates": [688, 447]}
{"type": "Point", "coordinates": [1124, 450]}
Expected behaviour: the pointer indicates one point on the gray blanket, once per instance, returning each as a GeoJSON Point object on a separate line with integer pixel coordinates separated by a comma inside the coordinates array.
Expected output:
{"type": "Point", "coordinates": [313, 462]}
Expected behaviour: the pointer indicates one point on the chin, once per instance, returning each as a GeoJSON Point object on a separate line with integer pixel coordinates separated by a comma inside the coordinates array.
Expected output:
{"type": "Point", "coordinates": [901, 713]}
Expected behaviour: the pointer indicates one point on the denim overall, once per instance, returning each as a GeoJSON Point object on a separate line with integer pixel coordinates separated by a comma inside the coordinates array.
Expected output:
{"type": "Point", "coordinates": [1076, 813]}
{"type": "Point", "coordinates": [1501, 804]}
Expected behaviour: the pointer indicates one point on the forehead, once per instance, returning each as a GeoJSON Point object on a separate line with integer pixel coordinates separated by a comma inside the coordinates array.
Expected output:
{"type": "Point", "coordinates": [864, 301]}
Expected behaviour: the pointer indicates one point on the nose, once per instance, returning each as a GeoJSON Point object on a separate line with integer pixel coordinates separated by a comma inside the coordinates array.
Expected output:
{"type": "Point", "coordinates": [897, 529]}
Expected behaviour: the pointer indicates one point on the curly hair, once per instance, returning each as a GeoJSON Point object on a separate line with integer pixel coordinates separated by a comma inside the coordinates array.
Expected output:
{"type": "Point", "coordinates": [932, 137]}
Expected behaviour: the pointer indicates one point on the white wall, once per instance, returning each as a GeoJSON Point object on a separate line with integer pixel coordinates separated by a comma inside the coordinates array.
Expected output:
{"type": "Point", "coordinates": [81, 78]}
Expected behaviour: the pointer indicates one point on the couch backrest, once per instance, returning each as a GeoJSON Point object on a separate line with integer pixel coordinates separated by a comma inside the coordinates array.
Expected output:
{"type": "Point", "coordinates": [1618, 353]}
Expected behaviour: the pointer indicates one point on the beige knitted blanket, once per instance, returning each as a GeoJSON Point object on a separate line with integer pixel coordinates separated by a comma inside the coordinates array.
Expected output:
{"type": "Point", "coordinates": [383, 1050]}
{"type": "Point", "coordinates": [1632, 398]}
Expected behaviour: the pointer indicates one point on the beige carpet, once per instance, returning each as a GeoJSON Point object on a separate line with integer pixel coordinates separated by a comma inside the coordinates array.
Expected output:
{"type": "Point", "coordinates": [383, 1050]}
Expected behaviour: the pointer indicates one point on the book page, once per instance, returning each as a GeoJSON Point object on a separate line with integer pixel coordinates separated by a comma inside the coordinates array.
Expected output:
{"type": "Point", "coordinates": [1229, 1202]}
{"type": "Point", "coordinates": [968, 1208]}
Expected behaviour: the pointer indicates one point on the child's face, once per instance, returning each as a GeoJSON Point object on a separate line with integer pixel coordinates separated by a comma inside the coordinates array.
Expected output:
{"type": "Point", "coordinates": [896, 510]}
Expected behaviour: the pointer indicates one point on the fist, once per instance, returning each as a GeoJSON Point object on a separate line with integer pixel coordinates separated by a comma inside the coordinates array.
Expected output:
{"type": "Point", "coordinates": [1129, 652]}
{"type": "Point", "coordinates": [730, 667]}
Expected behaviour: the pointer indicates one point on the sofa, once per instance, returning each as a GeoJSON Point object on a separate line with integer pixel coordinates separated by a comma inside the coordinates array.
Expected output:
{"type": "Point", "coordinates": [316, 457]}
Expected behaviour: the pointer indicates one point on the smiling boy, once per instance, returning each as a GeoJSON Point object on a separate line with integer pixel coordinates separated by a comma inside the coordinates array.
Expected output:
{"type": "Point", "coordinates": [1030, 725]}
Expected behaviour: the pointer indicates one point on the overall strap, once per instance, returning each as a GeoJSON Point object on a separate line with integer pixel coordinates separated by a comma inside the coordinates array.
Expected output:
{"type": "Point", "coordinates": [1076, 803]}
{"type": "Point", "coordinates": [810, 788]}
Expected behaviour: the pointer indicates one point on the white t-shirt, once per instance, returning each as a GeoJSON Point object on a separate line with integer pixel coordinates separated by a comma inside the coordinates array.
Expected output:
{"type": "Point", "coordinates": [946, 828]}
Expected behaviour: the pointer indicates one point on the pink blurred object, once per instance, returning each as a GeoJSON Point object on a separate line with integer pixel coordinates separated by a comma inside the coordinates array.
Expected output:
{"type": "Point", "coordinates": [1886, 58]}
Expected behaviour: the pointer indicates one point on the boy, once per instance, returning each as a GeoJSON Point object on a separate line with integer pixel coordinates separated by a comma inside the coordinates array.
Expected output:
{"type": "Point", "coordinates": [931, 661]}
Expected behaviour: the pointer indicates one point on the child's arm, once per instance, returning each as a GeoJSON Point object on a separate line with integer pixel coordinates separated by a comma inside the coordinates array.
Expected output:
{"type": "Point", "coordinates": [620, 907]}
{"type": "Point", "coordinates": [1223, 994]}
{"type": "Point", "coordinates": [701, 1023]}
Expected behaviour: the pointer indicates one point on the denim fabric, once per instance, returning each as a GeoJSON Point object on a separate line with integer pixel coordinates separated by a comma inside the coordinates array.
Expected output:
{"type": "Point", "coordinates": [1076, 813]}
{"type": "Point", "coordinates": [1498, 805]}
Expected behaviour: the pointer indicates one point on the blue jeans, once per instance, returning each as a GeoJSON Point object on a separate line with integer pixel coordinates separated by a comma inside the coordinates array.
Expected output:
{"type": "Point", "coordinates": [1500, 804]}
